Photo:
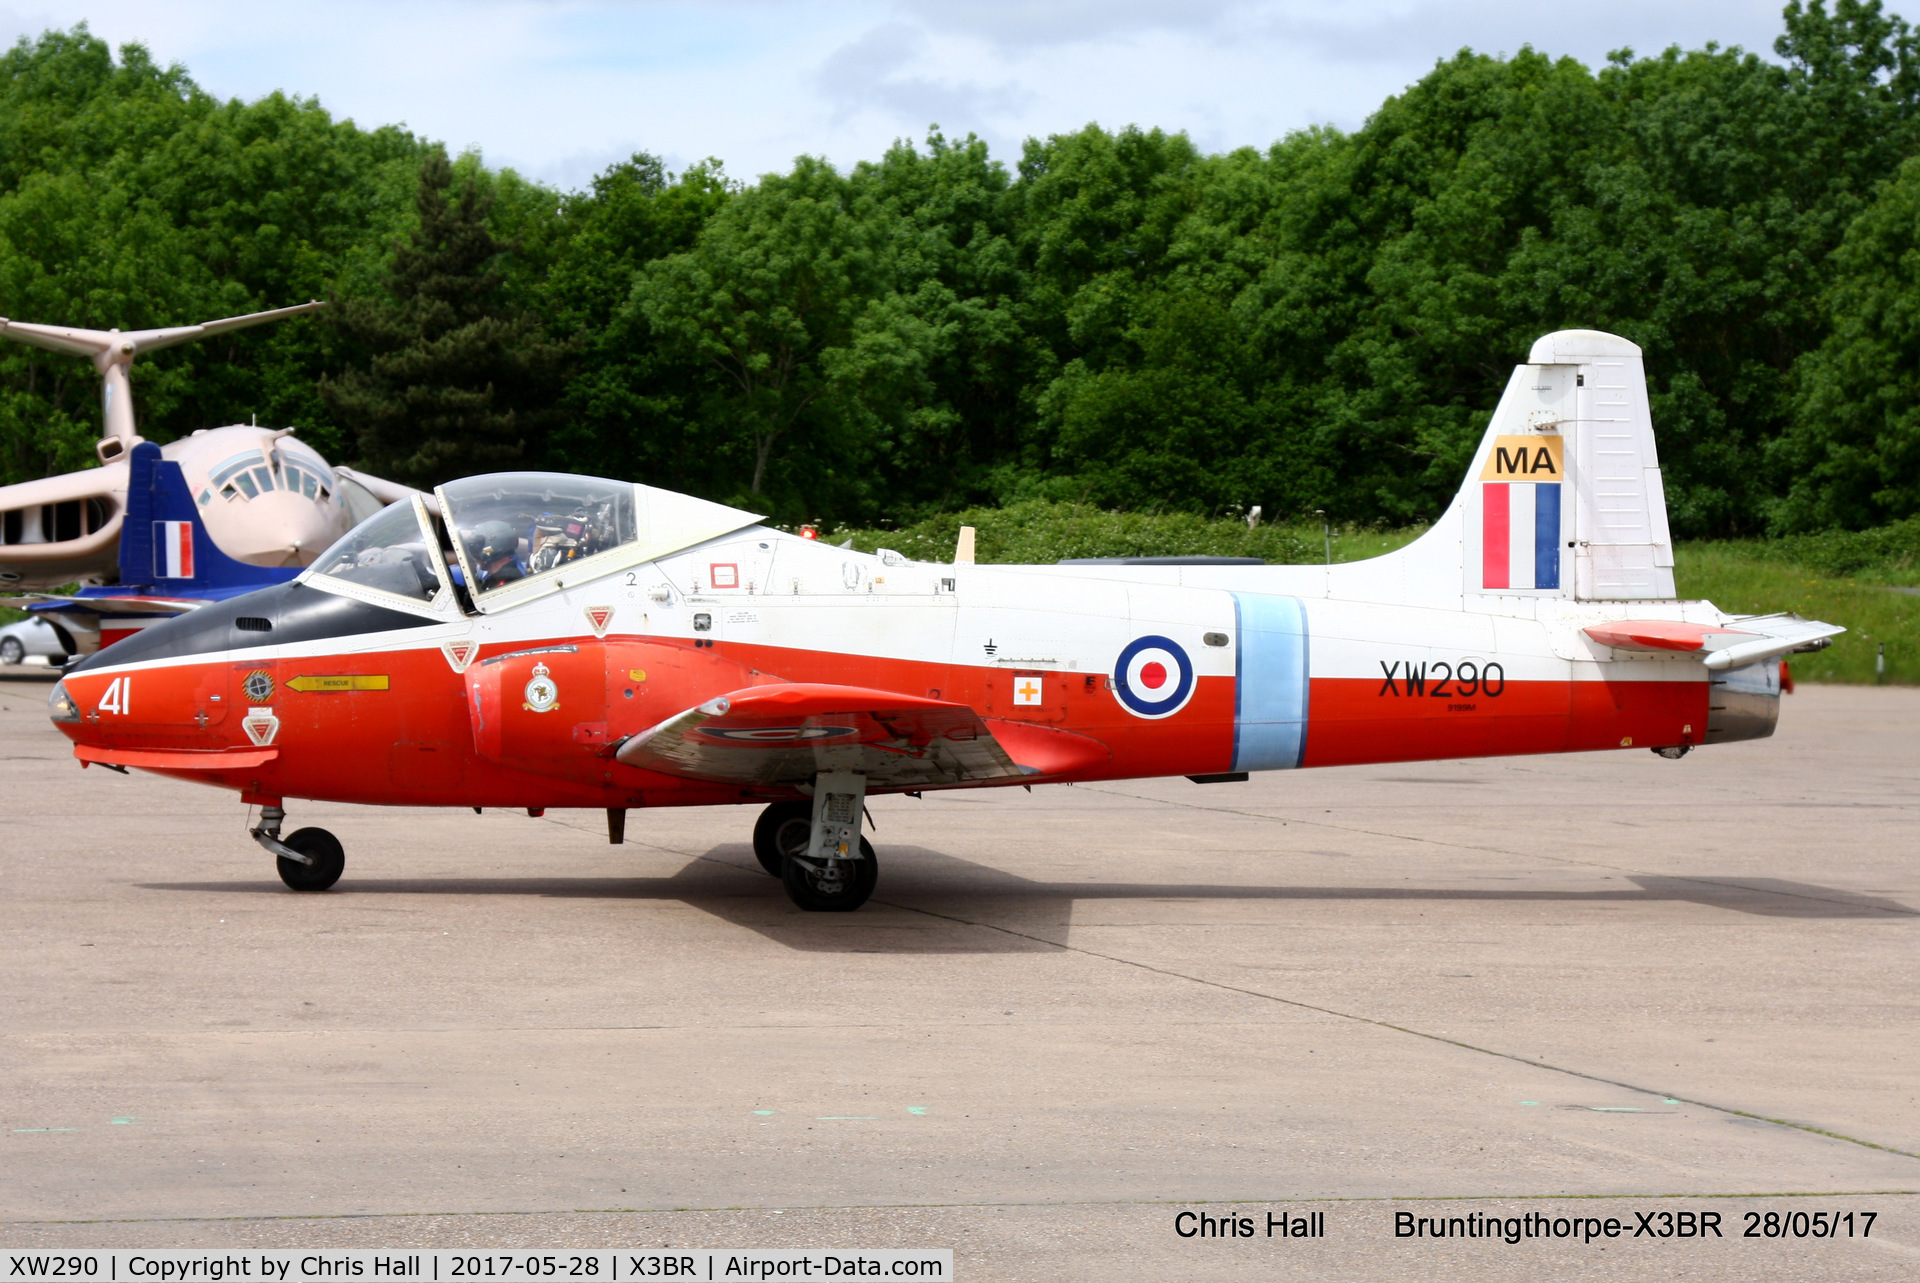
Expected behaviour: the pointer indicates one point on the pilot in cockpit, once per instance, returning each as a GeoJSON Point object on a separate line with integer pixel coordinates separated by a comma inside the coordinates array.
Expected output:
{"type": "Point", "coordinates": [494, 549]}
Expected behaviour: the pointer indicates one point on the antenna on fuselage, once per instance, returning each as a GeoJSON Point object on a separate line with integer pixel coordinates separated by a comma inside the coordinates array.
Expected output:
{"type": "Point", "coordinates": [112, 353]}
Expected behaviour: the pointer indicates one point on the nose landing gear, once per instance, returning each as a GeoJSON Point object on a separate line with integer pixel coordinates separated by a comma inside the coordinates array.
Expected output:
{"type": "Point", "coordinates": [307, 859]}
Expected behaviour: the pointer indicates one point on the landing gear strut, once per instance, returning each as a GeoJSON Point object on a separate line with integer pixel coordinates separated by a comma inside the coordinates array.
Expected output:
{"type": "Point", "coordinates": [824, 863]}
{"type": "Point", "coordinates": [308, 859]}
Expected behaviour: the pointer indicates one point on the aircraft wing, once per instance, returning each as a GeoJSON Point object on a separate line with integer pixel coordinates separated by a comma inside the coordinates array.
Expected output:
{"type": "Point", "coordinates": [788, 733]}
{"type": "Point", "coordinates": [87, 483]}
{"type": "Point", "coordinates": [365, 494]}
{"type": "Point", "coordinates": [1746, 640]}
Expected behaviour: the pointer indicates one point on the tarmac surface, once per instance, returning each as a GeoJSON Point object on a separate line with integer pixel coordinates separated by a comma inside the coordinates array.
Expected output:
{"type": "Point", "coordinates": [1603, 985]}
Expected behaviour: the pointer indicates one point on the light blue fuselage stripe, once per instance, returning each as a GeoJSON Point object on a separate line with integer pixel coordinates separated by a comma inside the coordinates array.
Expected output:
{"type": "Point", "coordinates": [1546, 535]}
{"type": "Point", "coordinates": [1270, 682]}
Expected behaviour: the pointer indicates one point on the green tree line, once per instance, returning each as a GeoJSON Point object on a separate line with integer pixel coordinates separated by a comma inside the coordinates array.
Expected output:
{"type": "Point", "coordinates": [1115, 319]}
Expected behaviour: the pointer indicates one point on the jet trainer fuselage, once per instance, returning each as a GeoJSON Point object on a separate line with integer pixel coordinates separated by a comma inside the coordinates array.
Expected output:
{"type": "Point", "coordinates": [539, 640]}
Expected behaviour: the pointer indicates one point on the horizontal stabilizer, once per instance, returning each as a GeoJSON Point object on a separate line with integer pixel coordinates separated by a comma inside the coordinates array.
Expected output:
{"type": "Point", "coordinates": [1744, 641]}
{"type": "Point", "coordinates": [788, 733]}
{"type": "Point", "coordinates": [103, 343]}
{"type": "Point", "coordinates": [107, 602]}
{"type": "Point", "coordinates": [1781, 634]}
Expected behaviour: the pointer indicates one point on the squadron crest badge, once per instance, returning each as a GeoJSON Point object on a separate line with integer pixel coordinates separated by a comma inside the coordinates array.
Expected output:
{"type": "Point", "coordinates": [543, 695]}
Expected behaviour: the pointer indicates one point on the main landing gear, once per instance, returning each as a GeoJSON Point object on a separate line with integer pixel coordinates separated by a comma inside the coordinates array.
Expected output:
{"type": "Point", "coordinates": [308, 859]}
{"type": "Point", "coordinates": [815, 848]}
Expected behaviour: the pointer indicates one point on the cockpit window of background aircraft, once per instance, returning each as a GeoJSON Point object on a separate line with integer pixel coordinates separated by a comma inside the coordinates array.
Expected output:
{"type": "Point", "coordinates": [248, 475]}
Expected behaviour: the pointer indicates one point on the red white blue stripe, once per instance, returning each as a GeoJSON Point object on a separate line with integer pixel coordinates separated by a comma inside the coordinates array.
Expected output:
{"type": "Point", "coordinates": [1519, 535]}
{"type": "Point", "coordinates": [173, 549]}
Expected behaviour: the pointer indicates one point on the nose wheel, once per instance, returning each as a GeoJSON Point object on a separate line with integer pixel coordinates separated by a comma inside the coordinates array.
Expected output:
{"type": "Point", "coordinates": [323, 849]}
{"type": "Point", "coordinates": [307, 859]}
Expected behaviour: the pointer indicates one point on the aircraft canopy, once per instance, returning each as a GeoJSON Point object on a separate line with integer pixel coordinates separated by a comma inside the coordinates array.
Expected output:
{"type": "Point", "coordinates": [521, 534]}
{"type": "Point", "coordinates": [387, 552]}
{"type": "Point", "coordinates": [510, 526]}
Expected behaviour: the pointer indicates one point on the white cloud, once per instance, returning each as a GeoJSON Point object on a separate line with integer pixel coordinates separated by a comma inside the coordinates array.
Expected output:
{"type": "Point", "coordinates": [560, 89]}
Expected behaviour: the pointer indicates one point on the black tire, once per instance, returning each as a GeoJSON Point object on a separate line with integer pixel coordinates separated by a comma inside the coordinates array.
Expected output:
{"type": "Point", "coordinates": [329, 859]}
{"type": "Point", "coordinates": [11, 651]}
{"type": "Point", "coordinates": [782, 830]}
{"type": "Point", "coordinates": [844, 894]}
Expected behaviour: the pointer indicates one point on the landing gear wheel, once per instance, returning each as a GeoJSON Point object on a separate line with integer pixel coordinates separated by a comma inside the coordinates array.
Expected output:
{"type": "Point", "coordinates": [835, 886]}
{"type": "Point", "coordinates": [324, 849]}
{"type": "Point", "coordinates": [782, 830]}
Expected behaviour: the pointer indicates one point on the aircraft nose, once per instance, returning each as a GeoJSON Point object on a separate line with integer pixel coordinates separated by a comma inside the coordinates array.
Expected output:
{"type": "Point", "coordinates": [284, 529]}
{"type": "Point", "coordinates": [60, 705]}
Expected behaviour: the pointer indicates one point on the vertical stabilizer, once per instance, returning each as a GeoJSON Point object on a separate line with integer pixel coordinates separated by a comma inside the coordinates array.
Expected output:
{"type": "Point", "coordinates": [1564, 497]}
{"type": "Point", "coordinates": [164, 546]}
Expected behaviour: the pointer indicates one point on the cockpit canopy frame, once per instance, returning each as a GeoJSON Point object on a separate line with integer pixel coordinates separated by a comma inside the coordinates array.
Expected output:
{"type": "Point", "coordinates": [514, 537]}
{"type": "Point", "coordinates": [388, 561]}
{"type": "Point", "coordinates": [520, 535]}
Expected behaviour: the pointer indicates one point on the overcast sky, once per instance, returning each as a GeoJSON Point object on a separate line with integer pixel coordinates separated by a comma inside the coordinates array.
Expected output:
{"type": "Point", "coordinates": [561, 89]}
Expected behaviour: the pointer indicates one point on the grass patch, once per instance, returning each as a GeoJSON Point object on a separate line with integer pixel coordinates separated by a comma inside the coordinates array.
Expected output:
{"type": "Point", "coordinates": [1889, 555]}
{"type": "Point", "coordinates": [1753, 578]}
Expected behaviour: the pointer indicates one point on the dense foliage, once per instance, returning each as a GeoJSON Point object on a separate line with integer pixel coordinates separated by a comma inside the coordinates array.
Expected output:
{"type": "Point", "coordinates": [1118, 320]}
{"type": "Point", "coordinates": [130, 198]}
{"type": "Point", "coordinates": [445, 376]}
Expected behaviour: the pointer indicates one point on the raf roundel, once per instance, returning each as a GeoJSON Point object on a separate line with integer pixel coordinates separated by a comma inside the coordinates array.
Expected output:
{"type": "Point", "coordinates": [1153, 677]}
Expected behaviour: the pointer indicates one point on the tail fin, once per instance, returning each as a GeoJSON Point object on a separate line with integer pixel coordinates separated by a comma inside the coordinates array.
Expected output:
{"type": "Point", "coordinates": [1564, 496]}
{"type": "Point", "coordinates": [163, 543]}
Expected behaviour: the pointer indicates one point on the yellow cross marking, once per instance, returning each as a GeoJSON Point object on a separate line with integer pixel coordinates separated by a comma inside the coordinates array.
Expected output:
{"type": "Point", "coordinates": [1030, 690]}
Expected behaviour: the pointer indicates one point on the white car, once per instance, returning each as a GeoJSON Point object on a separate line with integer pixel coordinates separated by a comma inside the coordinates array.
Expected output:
{"type": "Point", "coordinates": [31, 638]}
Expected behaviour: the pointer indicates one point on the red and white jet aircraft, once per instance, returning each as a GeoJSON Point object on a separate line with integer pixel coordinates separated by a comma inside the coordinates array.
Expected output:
{"type": "Point", "coordinates": [539, 640]}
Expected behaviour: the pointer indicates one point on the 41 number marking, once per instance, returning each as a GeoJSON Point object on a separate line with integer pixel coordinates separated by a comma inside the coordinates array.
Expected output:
{"type": "Point", "coordinates": [119, 697]}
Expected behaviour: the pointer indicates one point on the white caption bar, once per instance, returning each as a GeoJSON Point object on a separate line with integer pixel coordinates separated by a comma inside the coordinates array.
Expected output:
{"type": "Point", "coordinates": [635, 1265]}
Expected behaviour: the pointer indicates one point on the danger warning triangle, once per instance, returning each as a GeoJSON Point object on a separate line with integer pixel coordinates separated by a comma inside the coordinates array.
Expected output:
{"type": "Point", "coordinates": [460, 653]}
